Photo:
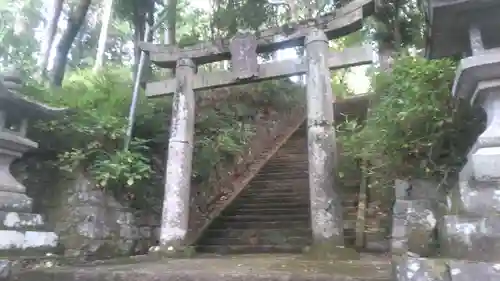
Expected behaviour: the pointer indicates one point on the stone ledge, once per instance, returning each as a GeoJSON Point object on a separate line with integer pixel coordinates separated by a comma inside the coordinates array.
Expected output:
{"type": "Point", "coordinates": [240, 268]}
{"type": "Point", "coordinates": [16, 202]}
{"type": "Point", "coordinates": [21, 221]}
{"type": "Point", "coordinates": [474, 69]}
{"type": "Point", "coordinates": [22, 240]}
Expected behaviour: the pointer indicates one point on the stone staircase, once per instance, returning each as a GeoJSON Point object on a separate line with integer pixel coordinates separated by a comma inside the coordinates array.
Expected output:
{"type": "Point", "coordinates": [272, 213]}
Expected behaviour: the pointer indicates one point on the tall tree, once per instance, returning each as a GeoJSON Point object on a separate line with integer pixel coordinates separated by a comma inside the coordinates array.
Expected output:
{"type": "Point", "coordinates": [75, 22]}
{"type": "Point", "coordinates": [171, 21]}
{"type": "Point", "coordinates": [103, 36]}
{"type": "Point", "coordinates": [398, 25]}
{"type": "Point", "coordinates": [50, 34]}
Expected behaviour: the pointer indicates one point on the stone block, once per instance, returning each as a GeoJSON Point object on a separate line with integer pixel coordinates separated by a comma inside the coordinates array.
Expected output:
{"type": "Point", "coordinates": [16, 240]}
{"type": "Point", "coordinates": [486, 163]}
{"type": "Point", "coordinates": [129, 232]}
{"type": "Point", "coordinates": [21, 221]}
{"type": "Point", "coordinates": [414, 223]}
{"type": "Point", "coordinates": [419, 269]}
{"type": "Point", "coordinates": [467, 271]}
{"type": "Point", "coordinates": [401, 188]}
{"type": "Point", "coordinates": [470, 238]}
{"type": "Point", "coordinates": [15, 202]}
{"type": "Point", "coordinates": [418, 189]}
{"type": "Point", "coordinates": [86, 197]}
{"type": "Point", "coordinates": [475, 197]}
{"type": "Point", "coordinates": [423, 189]}
{"type": "Point", "coordinates": [5, 270]}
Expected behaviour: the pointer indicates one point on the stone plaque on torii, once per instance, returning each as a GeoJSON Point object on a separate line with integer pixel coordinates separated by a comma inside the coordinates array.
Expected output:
{"type": "Point", "coordinates": [243, 50]}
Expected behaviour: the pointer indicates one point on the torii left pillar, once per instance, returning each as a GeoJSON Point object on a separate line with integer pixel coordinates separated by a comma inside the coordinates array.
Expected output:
{"type": "Point", "coordinates": [175, 214]}
{"type": "Point", "coordinates": [326, 207]}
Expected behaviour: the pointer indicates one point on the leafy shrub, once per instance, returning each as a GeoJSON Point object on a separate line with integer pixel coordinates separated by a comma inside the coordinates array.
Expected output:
{"type": "Point", "coordinates": [413, 129]}
{"type": "Point", "coordinates": [91, 134]}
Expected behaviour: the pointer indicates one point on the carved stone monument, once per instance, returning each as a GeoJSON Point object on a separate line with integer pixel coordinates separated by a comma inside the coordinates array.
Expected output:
{"type": "Point", "coordinates": [469, 233]}
{"type": "Point", "coordinates": [20, 229]}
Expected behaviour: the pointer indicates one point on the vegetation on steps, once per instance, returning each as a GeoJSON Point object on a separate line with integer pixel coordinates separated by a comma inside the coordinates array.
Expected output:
{"type": "Point", "coordinates": [90, 135]}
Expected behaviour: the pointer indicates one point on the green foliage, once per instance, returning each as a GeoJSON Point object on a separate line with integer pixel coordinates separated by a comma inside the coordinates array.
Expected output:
{"type": "Point", "coordinates": [90, 135]}
{"type": "Point", "coordinates": [223, 130]}
{"type": "Point", "coordinates": [17, 34]}
{"type": "Point", "coordinates": [413, 129]}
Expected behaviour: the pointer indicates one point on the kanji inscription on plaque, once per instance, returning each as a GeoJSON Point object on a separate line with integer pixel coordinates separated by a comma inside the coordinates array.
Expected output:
{"type": "Point", "coordinates": [243, 48]}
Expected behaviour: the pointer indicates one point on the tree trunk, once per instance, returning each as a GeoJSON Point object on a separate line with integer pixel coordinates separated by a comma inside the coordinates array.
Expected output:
{"type": "Point", "coordinates": [170, 32]}
{"type": "Point", "coordinates": [78, 50]}
{"type": "Point", "coordinates": [147, 68]}
{"type": "Point", "coordinates": [103, 36]}
{"type": "Point", "coordinates": [138, 22]}
{"type": "Point", "coordinates": [49, 36]}
{"type": "Point", "coordinates": [386, 53]}
{"type": "Point", "coordinates": [171, 21]}
{"type": "Point", "coordinates": [75, 21]}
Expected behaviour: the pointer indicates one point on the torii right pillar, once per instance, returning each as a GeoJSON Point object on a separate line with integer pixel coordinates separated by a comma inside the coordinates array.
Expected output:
{"type": "Point", "coordinates": [326, 206]}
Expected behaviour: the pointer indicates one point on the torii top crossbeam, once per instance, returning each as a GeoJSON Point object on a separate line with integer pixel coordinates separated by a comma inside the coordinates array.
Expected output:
{"type": "Point", "coordinates": [341, 22]}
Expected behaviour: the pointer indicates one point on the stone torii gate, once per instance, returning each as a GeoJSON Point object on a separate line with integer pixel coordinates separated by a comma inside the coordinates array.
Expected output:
{"type": "Point", "coordinates": [243, 50]}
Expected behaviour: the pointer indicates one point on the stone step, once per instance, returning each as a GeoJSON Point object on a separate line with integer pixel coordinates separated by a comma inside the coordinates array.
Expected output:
{"type": "Point", "coordinates": [250, 249]}
{"type": "Point", "coordinates": [289, 203]}
{"type": "Point", "coordinates": [290, 160]}
{"type": "Point", "coordinates": [291, 175]}
{"type": "Point", "coordinates": [265, 218]}
{"type": "Point", "coordinates": [280, 182]}
{"type": "Point", "coordinates": [300, 163]}
{"type": "Point", "coordinates": [273, 200]}
{"type": "Point", "coordinates": [275, 192]}
{"type": "Point", "coordinates": [271, 196]}
{"type": "Point", "coordinates": [296, 163]}
{"type": "Point", "coordinates": [260, 224]}
{"type": "Point", "coordinates": [238, 233]}
{"type": "Point", "coordinates": [277, 187]}
{"type": "Point", "coordinates": [278, 211]}
{"type": "Point", "coordinates": [277, 239]}
{"type": "Point", "coordinates": [274, 205]}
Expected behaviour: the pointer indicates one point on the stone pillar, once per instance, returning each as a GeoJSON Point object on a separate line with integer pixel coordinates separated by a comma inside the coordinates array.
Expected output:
{"type": "Point", "coordinates": [326, 207]}
{"type": "Point", "coordinates": [175, 216]}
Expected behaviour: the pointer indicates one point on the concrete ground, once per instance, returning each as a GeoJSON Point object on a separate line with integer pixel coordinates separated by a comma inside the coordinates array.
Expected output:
{"type": "Point", "coordinates": [220, 268]}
